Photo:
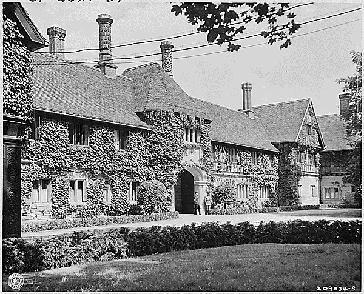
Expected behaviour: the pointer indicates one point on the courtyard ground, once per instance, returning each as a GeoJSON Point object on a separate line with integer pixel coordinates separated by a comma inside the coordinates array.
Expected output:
{"type": "Point", "coordinates": [254, 218]}
{"type": "Point", "coordinates": [249, 267]}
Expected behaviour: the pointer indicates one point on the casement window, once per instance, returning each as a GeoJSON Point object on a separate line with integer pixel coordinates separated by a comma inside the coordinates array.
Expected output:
{"type": "Point", "coordinates": [254, 157]}
{"type": "Point", "coordinates": [133, 192]}
{"type": "Point", "coordinates": [243, 191]}
{"type": "Point", "coordinates": [192, 135]}
{"type": "Point", "coordinates": [264, 192]}
{"type": "Point", "coordinates": [107, 194]}
{"type": "Point", "coordinates": [35, 128]}
{"type": "Point", "coordinates": [77, 191]}
{"type": "Point", "coordinates": [331, 193]}
{"type": "Point", "coordinates": [309, 129]}
{"type": "Point", "coordinates": [41, 192]}
{"type": "Point", "coordinates": [232, 154]}
{"type": "Point", "coordinates": [352, 189]}
{"type": "Point", "coordinates": [313, 191]}
{"type": "Point", "coordinates": [121, 137]}
{"type": "Point", "coordinates": [78, 133]}
{"type": "Point", "coordinates": [300, 190]}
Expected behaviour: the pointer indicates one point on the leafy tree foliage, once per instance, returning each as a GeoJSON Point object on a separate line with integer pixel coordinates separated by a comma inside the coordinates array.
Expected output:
{"type": "Point", "coordinates": [224, 22]}
{"type": "Point", "coordinates": [353, 85]}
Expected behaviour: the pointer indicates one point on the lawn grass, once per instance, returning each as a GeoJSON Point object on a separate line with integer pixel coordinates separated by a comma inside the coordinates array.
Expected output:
{"type": "Point", "coordinates": [250, 267]}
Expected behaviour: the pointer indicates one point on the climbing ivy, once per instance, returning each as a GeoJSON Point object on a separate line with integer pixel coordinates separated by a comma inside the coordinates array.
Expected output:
{"type": "Point", "coordinates": [56, 158]}
{"type": "Point", "coordinates": [289, 175]}
{"type": "Point", "coordinates": [264, 172]}
{"type": "Point", "coordinates": [17, 73]}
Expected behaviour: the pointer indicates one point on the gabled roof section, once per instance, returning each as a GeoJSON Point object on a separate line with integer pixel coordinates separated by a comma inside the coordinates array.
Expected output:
{"type": "Point", "coordinates": [33, 38]}
{"type": "Point", "coordinates": [334, 132]}
{"type": "Point", "coordinates": [282, 121]}
{"type": "Point", "coordinates": [154, 89]}
{"type": "Point", "coordinates": [81, 91]}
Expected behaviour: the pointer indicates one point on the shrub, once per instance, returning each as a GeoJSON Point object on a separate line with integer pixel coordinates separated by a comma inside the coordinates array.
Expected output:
{"type": "Point", "coordinates": [298, 207]}
{"type": "Point", "coordinates": [241, 210]}
{"type": "Point", "coordinates": [225, 192]}
{"type": "Point", "coordinates": [152, 197]}
{"type": "Point", "coordinates": [145, 241]}
{"type": "Point", "coordinates": [20, 255]}
{"type": "Point", "coordinates": [57, 224]}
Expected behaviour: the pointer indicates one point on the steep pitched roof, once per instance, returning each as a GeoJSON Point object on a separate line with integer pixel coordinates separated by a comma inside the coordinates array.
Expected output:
{"type": "Point", "coordinates": [282, 120]}
{"type": "Point", "coordinates": [81, 91]}
{"type": "Point", "coordinates": [33, 38]}
{"type": "Point", "coordinates": [333, 130]}
{"type": "Point", "coordinates": [154, 89]}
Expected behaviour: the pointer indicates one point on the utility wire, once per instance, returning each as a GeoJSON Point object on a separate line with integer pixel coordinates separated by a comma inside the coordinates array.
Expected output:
{"type": "Point", "coordinates": [236, 39]}
{"type": "Point", "coordinates": [204, 54]}
{"type": "Point", "coordinates": [159, 39]}
{"type": "Point", "coordinates": [264, 43]}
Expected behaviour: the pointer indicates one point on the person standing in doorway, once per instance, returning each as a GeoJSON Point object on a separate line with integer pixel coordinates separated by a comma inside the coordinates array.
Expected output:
{"type": "Point", "coordinates": [208, 201]}
{"type": "Point", "coordinates": [197, 204]}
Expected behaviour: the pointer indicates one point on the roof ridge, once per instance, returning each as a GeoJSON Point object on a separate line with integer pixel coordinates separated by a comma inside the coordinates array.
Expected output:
{"type": "Point", "coordinates": [283, 102]}
{"type": "Point", "coordinates": [133, 68]}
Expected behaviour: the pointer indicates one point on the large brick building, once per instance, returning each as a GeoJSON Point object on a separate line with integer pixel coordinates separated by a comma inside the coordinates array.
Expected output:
{"type": "Point", "coordinates": [246, 148]}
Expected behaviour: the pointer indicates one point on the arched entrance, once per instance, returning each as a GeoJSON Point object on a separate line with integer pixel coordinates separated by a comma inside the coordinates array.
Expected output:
{"type": "Point", "coordinates": [190, 180]}
{"type": "Point", "coordinates": [187, 192]}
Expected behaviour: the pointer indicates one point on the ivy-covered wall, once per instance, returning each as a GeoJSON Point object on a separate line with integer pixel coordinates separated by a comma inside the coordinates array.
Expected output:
{"type": "Point", "coordinates": [54, 158]}
{"type": "Point", "coordinates": [150, 155]}
{"type": "Point", "coordinates": [263, 171]}
{"type": "Point", "coordinates": [17, 73]}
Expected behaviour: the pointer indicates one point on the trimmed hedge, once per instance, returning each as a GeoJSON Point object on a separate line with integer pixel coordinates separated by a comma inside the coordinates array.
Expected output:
{"type": "Point", "coordinates": [146, 241]}
{"type": "Point", "coordinates": [37, 254]}
{"type": "Point", "coordinates": [241, 210]}
{"type": "Point", "coordinates": [298, 207]}
{"type": "Point", "coordinates": [20, 255]}
{"type": "Point", "coordinates": [57, 224]}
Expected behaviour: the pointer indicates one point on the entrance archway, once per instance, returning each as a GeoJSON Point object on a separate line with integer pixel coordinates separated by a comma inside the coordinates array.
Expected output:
{"type": "Point", "coordinates": [190, 180]}
{"type": "Point", "coordinates": [187, 192]}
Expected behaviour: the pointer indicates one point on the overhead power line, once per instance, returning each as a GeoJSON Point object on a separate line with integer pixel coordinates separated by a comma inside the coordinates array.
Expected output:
{"type": "Point", "coordinates": [160, 39]}
{"type": "Point", "coordinates": [65, 62]}
{"type": "Point", "coordinates": [264, 43]}
{"type": "Point", "coordinates": [236, 39]}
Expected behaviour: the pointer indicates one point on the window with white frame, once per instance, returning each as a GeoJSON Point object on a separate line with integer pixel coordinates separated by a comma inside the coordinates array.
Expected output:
{"type": "Point", "coordinates": [121, 137]}
{"type": "Point", "coordinates": [41, 192]}
{"type": "Point", "coordinates": [313, 191]}
{"type": "Point", "coordinates": [263, 192]}
{"type": "Point", "coordinates": [78, 133]}
{"type": "Point", "coordinates": [254, 157]}
{"type": "Point", "coordinates": [232, 154]}
{"type": "Point", "coordinates": [331, 193]}
{"type": "Point", "coordinates": [192, 135]}
{"type": "Point", "coordinates": [107, 193]}
{"type": "Point", "coordinates": [77, 191]}
{"type": "Point", "coordinates": [243, 191]}
{"type": "Point", "coordinates": [300, 190]}
{"type": "Point", "coordinates": [133, 192]}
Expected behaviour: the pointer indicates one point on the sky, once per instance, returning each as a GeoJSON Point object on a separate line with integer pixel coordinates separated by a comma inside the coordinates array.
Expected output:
{"type": "Point", "coordinates": [307, 69]}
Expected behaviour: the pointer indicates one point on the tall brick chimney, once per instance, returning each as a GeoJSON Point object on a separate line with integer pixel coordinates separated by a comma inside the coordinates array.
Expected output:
{"type": "Point", "coordinates": [105, 57]}
{"type": "Point", "coordinates": [246, 91]}
{"type": "Point", "coordinates": [344, 105]}
{"type": "Point", "coordinates": [166, 49]}
{"type": "Point", "coordinates": [56, 41]}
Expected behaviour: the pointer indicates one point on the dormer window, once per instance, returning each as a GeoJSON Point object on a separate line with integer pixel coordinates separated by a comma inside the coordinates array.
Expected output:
{"type": "Point", "coordinates": [192, 135]}
{"type": "Point", "coordinates": [78, 133]}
